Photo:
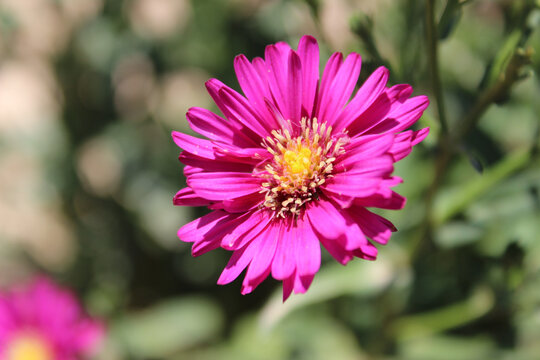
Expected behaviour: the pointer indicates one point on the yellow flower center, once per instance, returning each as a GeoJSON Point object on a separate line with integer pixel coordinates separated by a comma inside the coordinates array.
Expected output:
{"type": "Point", "coordinates": [300, 165]}
{"type": "Point", "coordinates": [298, 160]}
{"type": "Point", "coordinates": [29, 347]}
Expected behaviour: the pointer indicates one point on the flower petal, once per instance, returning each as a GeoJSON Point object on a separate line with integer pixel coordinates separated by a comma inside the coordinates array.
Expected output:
{"type": "Point", "coordinates": [393, 202]}
{"type": "Point", "coordinates": [360, 166]}
{"type": "Point", "coordinates": [374, 226]}
{"type": "Point", "coordinates": [195, 164]}
{"type": "Point", "coordinates": [255, 86]}
{"type": "Point", "coordinates": [223, 185]}
{"type": "Point", "coordinates": [307, 249]}
{"type": "Point", "coordinates": [308, 50]}
{"type": "Point", "coordinates": [215, 127]}
{"type": "Point", "coordinates": [326, 219]}
{"type": "Point", "coordinates": [227, 105]}
{"type": "Point", "coordinates": [262, 260]}
{"type": "Point", "coordinates": [288, 286]}
{"type": "Point", "coordinates": [402, 116]}
{"type": "Point", "coordinates": [193, 145]}
{"type": "Point", "coordinates": [353, 185]}
{"type": "Point", "coordinates": [243, 203]}
{"type": "Point", "coordinates": [334, 97]}
{"type": "Point", "coordinates": [186, 197]}
{"type": "Point", "coordinates": [207, 231]}
{"type": "Point", "coordinates": [364, 97]}
{"type": "Point", "coordinates": [362, 148]}
{"type": "Point", "coordinates": [239, 260]}
{"type": "Point", "coordinates": [237, 107]}
{"type": "Point", "coordinates": [285, 80]}
{"type": "Point", "coordinates": [283, 264]}
{"type": "Point", "coordinates": [251, 226]}
{"type": "Point", "coordinates": [302, 283]}
{"type": "Point", "coordinates": [404, 142]}
{"type": "Point", "coordinates": [294, 87]}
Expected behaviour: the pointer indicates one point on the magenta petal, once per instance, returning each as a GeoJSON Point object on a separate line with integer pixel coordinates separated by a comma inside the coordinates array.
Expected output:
{"type": "Point", "coordinates": [288, 286]}
{"type": "Point", "coordinates": [403, 116]}
{"type": "Point", "coordinates": [302, 283]}
{"type": "Point", "coordinates": [223, 185]}
{"type": "Point", "coordinates": [195, 164]}
{"type": "Point", "coordinates": [336, 250]}
{"type": "Point", "coordinates": [276, 63]}
{"type": "Point", "coordinates": [294, 88]}
{"type": "Point", "coordinates": [376, 167]}
{"type": "Point", "coordinates": [326, 219]}
{"type": "Point", "coordinates": [365, 96]}
{"type": "Point", "coordinates": [186, 197]}
{"type": "Point", "coordinates": [239, 260]}
{"type": "Point", "coordinates": [349, 239]}
{"type": "Point", "coordinates": [374, 226]}
{"type": "Point", "coordinates": [251, 226]}
{"type": "Point", "coordinates": [393, 202]}
{"type": "Point", "coordinates": [333, 100]}
{"type": "Point", "coordinates": [215, 127]}
{"type": "Point", "coordinates": [245, 155]}
{"type": "Point", "coordinates": [237, 107]}
{"type": "Point", "coordinates": [207, 232]}
{"type": "Point", "coordinates": [419, 136]}
{"type": "Point", "coordinates": [87, 335]}
{"type": "Point", "coordinates": [216, 89]}
{"type": "Point", "coordinates": [352, 186]}
{"type": "Point", "coordinates": [368, 252]}
{"type": "Point", "coordinates": [262, 260]}
{"type": "Point", "coordinates": [371, 116]}
{"type": "Point", "coordinates": [284, 77]}
{"type": "Point", "coordinates": [367, 153]}
{"type": "Point", "coordinates": [251, 83]}
{"type": "Point", "coordinates": [307, 249]}
{"type": "Point", "coordinates": [195, 230]}
{"type": "Point", "coordinates": [283, 47]}
{"type": "Point", "coordinates": [330, 71]}
{"type": "Point", "coordinates": [284, 260]}
{"type": "Point", "coordinates": [243, 203]}
{"type": "Point", "coordinates": [193, 145]}
{"type": "Point", "coordinates": [308, 50]}
{"type": "Point", "coordinates": [371, 145]}
{"type": "Point", "coordinates": [255, 87]}
{"type": "Point", "coordinates": [249, 284]}
{"type": "Point", "coordinates": [404, 142]}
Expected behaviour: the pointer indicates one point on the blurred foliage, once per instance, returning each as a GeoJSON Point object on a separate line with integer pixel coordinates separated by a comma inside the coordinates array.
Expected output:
{"type": "Point", "coordinates": [90, 90]}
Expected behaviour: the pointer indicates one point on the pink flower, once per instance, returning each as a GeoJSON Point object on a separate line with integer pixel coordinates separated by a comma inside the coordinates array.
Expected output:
{"type": "Point", "coordinates": [295, 163]}
{"type": "Point", "coordinates": [41, 321]}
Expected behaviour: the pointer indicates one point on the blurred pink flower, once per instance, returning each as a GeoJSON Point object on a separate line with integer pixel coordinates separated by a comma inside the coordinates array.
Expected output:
{"type": "Point", "coordinates": [295, 163]}
{"type": "Point", "coordinates": [41, 321]}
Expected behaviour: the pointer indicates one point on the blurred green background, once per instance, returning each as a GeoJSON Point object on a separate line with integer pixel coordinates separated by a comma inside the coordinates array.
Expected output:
{"type": "Point", "coordinates": [91, 89]}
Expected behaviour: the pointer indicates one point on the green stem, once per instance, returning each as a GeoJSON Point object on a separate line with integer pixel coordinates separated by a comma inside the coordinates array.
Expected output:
{"type": "Point", "coordinates": [471, 191]}
{"type": "Point", "coordinates": [496, 92]}
{"type": "Point", "coordinates": [433, 58]}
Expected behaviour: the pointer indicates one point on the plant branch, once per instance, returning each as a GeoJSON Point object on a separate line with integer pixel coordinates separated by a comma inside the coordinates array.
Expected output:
{"type": "Point", "coordinates": [433, 58]}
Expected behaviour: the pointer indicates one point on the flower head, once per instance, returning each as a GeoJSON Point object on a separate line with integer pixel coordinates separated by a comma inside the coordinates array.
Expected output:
{"type": "Point", "coordinates": [44, 322]}
{"type": "Point", "coordinates": [295, 163]}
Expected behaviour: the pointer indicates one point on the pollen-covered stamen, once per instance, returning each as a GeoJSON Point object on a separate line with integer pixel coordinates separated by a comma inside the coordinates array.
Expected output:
{"type": "Point", "coordinates": [300, 165]}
